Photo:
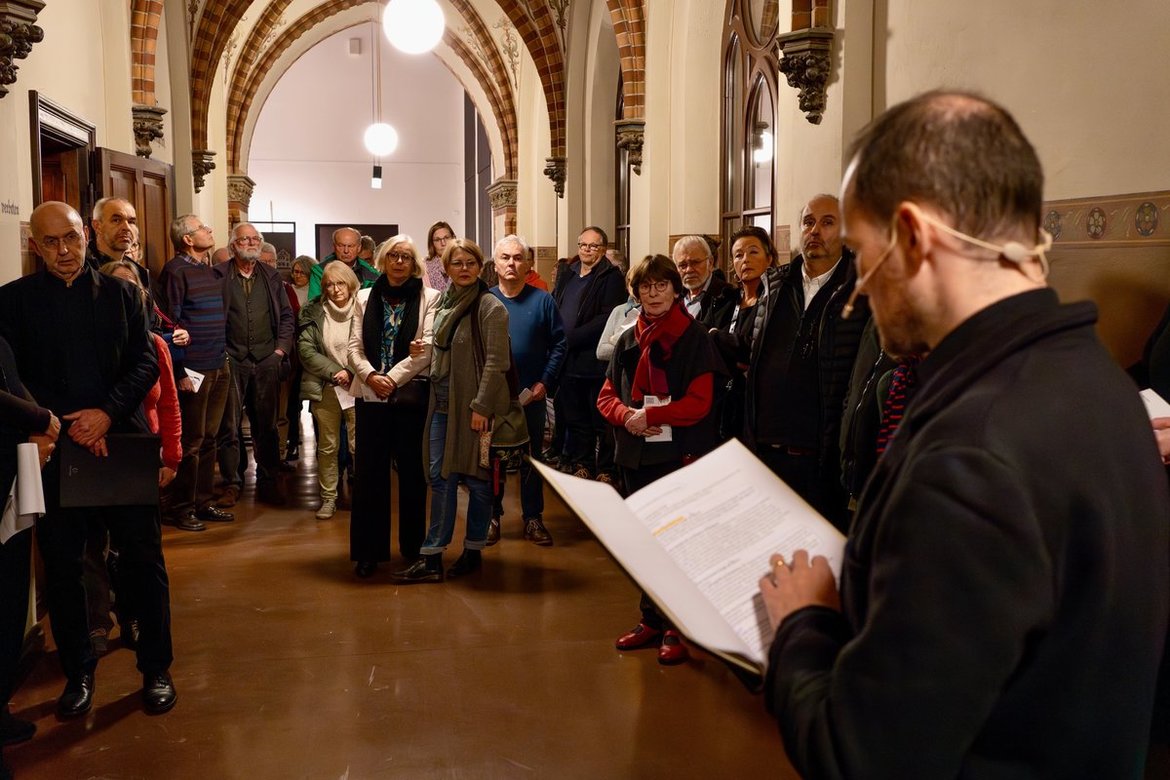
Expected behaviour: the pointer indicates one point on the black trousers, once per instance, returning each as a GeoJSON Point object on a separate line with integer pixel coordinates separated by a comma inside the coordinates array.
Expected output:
{"type": "Point", "coordinates": [145, 589]}
{"type": "Point", "coordinates": [258, 385]}
{"type": "Point", "coordinates": [387, 435]}
{"type": "Point", "coordinates": [202, 415]}
{"type": "Point", "coordinates": [14, 571]}
{"type": "Point", "coordinates": [589, 438]}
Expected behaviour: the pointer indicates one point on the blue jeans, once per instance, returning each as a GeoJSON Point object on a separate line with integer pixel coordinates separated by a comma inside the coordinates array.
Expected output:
{"type": "Point", "coordinates": [445, 498]}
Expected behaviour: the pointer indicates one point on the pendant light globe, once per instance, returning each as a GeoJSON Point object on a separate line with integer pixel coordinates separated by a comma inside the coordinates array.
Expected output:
{"type": "Point", "coordinates": [413, 26]}
{"type": "Point", "coordinates": [380, 139]}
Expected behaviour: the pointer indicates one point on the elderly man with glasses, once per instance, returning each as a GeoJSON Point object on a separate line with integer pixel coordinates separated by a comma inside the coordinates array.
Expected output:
{"type": "Point", "coordinates": [259, 342]}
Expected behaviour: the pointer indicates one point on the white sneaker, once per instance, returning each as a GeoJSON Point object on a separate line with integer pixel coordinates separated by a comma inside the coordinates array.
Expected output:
{"type": "Point", "coordinates": [327, 510]}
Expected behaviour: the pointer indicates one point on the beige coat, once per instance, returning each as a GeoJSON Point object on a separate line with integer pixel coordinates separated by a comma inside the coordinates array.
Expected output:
{"type": "Point", "coordinates": [405, 369]}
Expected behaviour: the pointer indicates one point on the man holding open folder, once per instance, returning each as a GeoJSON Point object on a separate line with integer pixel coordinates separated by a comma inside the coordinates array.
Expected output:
{"type": "Point", "coordinates": [1004, 595]}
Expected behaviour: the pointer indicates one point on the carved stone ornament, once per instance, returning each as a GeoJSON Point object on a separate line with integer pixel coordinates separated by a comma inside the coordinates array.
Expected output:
{"type": "Point", "coordinates": [808, 63]}
{"type": "Point", "coordinates": [148, 127]}
{"type": "Point", "coordinates": [17, 36]}
{"type": "Point", "coordinates": [502, 194]}
{"type": "Point", "coordinates": [554, 168]}
{"type": "Point", "coordinates": [201, 165]}
{"type": "Point", "coordinates": [630, 133]}
{"type": "Point", "coordinates": [240, 187]}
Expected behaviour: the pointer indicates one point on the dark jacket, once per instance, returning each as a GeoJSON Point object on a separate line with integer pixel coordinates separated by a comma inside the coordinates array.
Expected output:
{"type": "Point", "coordinates": [862, 418]}
{"type": "Point", "coordinates": [692, 356]}
{"type": "Point", "coordinates": [279, 312]}
{"type": "Point", "coordinates": [126, 357]}
{"type": "Point", "coordinates": [19, 417]}
{"type": "Point", "coordinates": [605, 289]}
{"type": "Point", "coordinates": [1005, 584]}
{"type": "Point", "coordinates": [717, 304]}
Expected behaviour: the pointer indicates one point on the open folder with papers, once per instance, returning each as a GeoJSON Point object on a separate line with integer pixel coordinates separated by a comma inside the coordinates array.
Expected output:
{"type": "Point", "coordinates": [698, 540]}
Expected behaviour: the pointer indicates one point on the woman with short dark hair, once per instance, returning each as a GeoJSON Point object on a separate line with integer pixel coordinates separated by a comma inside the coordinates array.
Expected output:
{"type": "Point", "coordinates": [658, 395]}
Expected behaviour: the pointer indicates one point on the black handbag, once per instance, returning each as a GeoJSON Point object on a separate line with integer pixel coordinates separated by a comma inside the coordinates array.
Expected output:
{"type": "Point", "coordinates": [414, 394]}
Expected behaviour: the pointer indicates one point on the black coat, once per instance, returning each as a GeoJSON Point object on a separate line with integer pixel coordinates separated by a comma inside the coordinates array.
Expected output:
{"type": "Point", "coordinates": [1005, 583]}
{"type": "Point", "coordinates": [605, 289]}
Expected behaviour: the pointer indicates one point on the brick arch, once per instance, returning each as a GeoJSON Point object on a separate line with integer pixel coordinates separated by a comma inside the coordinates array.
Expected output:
{"type": "Point", "coordinates": [145, 16]}
{"type": "Point", "coordinates": [242, 101]}
{"type": "Point", "coordinates": [216, 24]}
{"type": "Point", "coordinates": [629, 27]}
{"type": "Point", "coordinates": [246, 79]}
{"type": "Point", "coordinates": [539, 33]}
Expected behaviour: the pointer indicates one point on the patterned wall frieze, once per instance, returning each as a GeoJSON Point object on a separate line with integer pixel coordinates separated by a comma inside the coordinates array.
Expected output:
{"type": "Point", "coordinates": [1139, 219]}
{"type": "Point", "coordinates": [510, 47]}
{"type": "Point", "coordinates": [148, 127]}
{"type": "Point", "coordinates": [18, 33]}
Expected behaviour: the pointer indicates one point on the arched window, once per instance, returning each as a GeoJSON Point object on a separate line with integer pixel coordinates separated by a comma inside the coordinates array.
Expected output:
{"type": "Point", "coordinates": [751, 64]}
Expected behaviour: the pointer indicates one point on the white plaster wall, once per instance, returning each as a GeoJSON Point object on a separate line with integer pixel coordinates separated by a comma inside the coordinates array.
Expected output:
{"type": "Point", "coordinates": [307, 156]}
{"type": "Point", "coordinates": [164, 149]}
{"type": "Point", "coordinates": [650, 192]}
{"type": "Point", "coordinates": [1086, 81]}
{"type": "Point", "coordinates": [694, 119]}
{"type": "Point", "coordinates": [597, 123]}
{"type": "Point", "coordinates": [536, 201]}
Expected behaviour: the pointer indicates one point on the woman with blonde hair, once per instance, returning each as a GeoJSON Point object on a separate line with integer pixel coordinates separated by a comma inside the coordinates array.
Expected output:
{"type": "Point", "coordinates": [391, 387]}
{"type": "Point", "coordinates": [323, 332]}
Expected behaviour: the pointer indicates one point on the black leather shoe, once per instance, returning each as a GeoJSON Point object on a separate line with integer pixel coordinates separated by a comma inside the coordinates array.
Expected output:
{"type": "Point", "coordinates": [190, 522]}
{"type": "Point", "coordinates": [365, 569]}
{"type": "Point", "coordinates": [158, 693]}
{"type": "Point", "coordinates": [493, 531]}
{"type": "Point", "coordinates": [535, 532]}
{"type": "Point", "coordinates": [292, 453]}
{"type": "Point", "coordinates": [428, 568]}
{"type": "Point", "coordinates": [14, 730]}
{"type": "Point", "coordinates": [214, 515]}
{"type": "Point", "coordinates": [469, 562]}
{"type": "Point", "coordinates": [77, 698]}
{"type": "Point", "coordinates": [130, 633]}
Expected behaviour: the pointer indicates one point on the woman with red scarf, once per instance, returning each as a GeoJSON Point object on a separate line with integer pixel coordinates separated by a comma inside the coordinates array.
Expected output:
{"type": "Point", "coordinates": [658, 394]}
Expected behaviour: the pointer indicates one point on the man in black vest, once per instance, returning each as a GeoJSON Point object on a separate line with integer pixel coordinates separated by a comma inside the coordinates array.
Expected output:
{"type": "Point", "coordinates": [83, 350]}
{"type": "Point", "coordinates": [259, 342]}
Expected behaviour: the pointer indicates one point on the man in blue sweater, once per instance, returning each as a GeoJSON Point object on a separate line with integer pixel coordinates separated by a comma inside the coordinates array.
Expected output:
{"type": "Point", "coordinates": [538, 348]}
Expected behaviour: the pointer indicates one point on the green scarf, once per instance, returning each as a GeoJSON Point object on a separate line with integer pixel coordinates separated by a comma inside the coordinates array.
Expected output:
{"type": "Point", "coordinates": [455, 304]}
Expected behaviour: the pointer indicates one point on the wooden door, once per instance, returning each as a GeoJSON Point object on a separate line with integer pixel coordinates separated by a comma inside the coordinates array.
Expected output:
{"type": "Point", "coordinates": [148, 184]}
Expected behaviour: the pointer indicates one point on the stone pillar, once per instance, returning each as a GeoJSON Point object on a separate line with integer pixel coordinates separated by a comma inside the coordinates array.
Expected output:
{"type": "Point", "coordinates": [18, 33]}
{"type": "Point", "coordinates": [502, 194]}
{"type": "Point", "coordinates": [240, 188]}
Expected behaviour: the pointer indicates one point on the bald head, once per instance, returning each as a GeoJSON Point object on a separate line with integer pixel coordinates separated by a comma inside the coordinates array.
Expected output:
{"type": "Point", "coordinates": [347, 242]}
{"type": "Point", "coordinates": [58, 238]}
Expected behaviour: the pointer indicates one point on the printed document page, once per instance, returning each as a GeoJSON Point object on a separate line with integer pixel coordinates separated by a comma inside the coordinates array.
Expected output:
{"type": "Point", "coordinates": [704, 537]}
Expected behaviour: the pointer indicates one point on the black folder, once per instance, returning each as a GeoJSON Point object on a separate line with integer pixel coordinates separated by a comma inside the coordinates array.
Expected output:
{"type": "Point", "coordinates": [128, 476]}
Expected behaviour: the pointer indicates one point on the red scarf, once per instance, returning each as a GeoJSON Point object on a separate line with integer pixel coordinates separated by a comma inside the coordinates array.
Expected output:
{"type": "Point", "coordinates": [650, 375]}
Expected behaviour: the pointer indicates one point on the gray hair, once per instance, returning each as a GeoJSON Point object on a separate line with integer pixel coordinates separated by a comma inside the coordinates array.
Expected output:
{"type": "Point", "coordinates": [691, 242]}
{"type": "Point", "coordinates": [341, 230]}
{"type": "Point", "coordinates": [100, 206]}
{"type": "Point", "coordinates": [511, 238]}
{"type": "Point", "coordinates": [236, 230]}
{"type": "Point", "coordinates": [267, 247]}
{"type": "Point", "coordinates": [180, 229]}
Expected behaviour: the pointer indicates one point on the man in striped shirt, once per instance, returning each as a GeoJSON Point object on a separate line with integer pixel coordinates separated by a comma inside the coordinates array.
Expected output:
{"type": "Point", "coordinates": [193, 298]}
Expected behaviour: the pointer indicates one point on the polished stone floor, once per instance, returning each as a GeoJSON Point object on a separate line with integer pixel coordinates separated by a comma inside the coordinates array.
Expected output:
{"type": "Point", "coordinates": [287, 666]}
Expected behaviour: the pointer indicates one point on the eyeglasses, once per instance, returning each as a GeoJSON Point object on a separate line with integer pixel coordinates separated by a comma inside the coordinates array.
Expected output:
{"type": "Point", "coordinates": [196, 230]}
{"type": "Point", "coordinates": [588, 247]}
{"type": "Point", "coordinates": [248, 240]}
{"type": "Point", "coordinates": [463, 264]}
{"type": "Point", "coordinates": [659, 286]}
{"type": "Point", "coordinates": [331, 285]}
{"type": "Point", "coordinates": [400, 257]}
{"type": "Point", "coordinates": [72, 238]}
{"type": "Point", "coordinates": [442, 239]}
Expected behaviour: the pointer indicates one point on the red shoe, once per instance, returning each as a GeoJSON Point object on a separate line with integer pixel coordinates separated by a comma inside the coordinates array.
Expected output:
{"type": "Point", "coordinates": [672, 651]}
{"type": "Point", "coordinates": [640, 636]}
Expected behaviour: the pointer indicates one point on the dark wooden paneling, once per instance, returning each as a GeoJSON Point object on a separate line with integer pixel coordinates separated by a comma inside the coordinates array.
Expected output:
{"type": "Point", "coordinates": [148, 185]}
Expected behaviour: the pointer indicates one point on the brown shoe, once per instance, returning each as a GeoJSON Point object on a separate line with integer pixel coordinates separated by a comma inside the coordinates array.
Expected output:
{"type": "Point", "coordinates": [535, 532]}
{"type": "Point", "coordinates": [231, 494]}
{"type": "Point", "coordinates": [493, 531]}
{"type": "Point", "coordinates": [582, 472]}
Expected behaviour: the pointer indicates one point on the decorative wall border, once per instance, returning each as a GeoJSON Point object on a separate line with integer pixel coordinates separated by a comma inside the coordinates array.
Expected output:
{"type": "Point", "coordinates": [1109, 221]}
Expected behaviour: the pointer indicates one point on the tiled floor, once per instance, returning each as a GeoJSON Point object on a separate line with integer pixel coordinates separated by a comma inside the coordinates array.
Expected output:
{"type": "Point", "coordinates": [287, 666]}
